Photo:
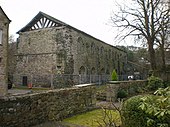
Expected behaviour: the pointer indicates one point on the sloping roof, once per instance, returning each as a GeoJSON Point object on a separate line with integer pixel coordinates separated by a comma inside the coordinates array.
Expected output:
{"type": "Point", "coordinates": [5, 14]}
{"type": "Point", "coordinates": [42, 20]}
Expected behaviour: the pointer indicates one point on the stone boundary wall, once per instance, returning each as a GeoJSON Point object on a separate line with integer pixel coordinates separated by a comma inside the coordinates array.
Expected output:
{"type": "Point", "coordinates": [31, 109]}
{"type": "Point", "coordinates": [114, 86]}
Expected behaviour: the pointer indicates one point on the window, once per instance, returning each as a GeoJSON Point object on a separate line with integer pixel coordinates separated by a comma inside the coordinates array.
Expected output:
{"type": "Point", "coordinates": [101, 50]}
{"type": "Point", "coordinates": [92, 47]}
{"type": "Point", "coordinates": [0, 36]}
{"type": "Point", "coordinates": [82, 70]}
{"type": "Point", "coordinates": [0, 59]}
{"type": "Point", "coordinates": [80, 44]}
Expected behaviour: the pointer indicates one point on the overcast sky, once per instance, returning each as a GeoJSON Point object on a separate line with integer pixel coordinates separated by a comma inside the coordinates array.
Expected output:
{"type": "Point", "coordinates": [90, 16]}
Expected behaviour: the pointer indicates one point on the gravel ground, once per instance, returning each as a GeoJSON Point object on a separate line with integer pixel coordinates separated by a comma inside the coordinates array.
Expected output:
{"type": "Point", "coordinates": [18, 92]}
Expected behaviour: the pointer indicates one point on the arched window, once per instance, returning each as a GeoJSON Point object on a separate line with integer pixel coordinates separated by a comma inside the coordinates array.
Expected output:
{"type": "Point", "coordinates": [92, 47]}
{"type": "Point", "coordinates": [102, 71]}
{"type": "Point", "coordinates": [106, 54]}
{"type": "Point", "coordinates": [107, 72]}
{"type": "Point", "coordinates": [109, 54]}
{"type": "Point", "coordinates": [97, 50]}
{"type": "Point", "coordinates": [0, 36]}
{"type": "Point", "coordinates": [93, 71]}
{"type": "Point", "coordinates": [101, 50]}
{"type": "Point", "coordinates": [82, 70]}
{"type": "Point", "coordinates": [115, 55]}
{"type": "Point", "coordinates": [80, 44]}
{"type": "Point", "coordinates": [87, 47]}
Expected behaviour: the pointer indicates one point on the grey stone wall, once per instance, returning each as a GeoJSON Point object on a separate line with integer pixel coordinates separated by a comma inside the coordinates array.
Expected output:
{"type": "Point", "coordinates": [12, 61]}
{"type": "Point", "coordinates": [4, 24]}
{"type": "Point", "coordinates": [131, 86]}
{"type": "Point", "coordinates": [32, 109]}
{"type": "Point", "coordinates": [95, 56]}
{"type": "Point", "coordinates": [64, 50]}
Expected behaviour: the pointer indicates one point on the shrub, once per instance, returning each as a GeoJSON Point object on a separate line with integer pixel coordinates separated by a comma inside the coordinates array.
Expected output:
{"type": "Point", "coordinates": [132, 116]}
{"type": "Point", "coordinates": [157, 108]}
{"type": "Point", "coordinates": [114, 76]}
{"type": "Point", "coordinates": [148, 110]}
{"type": "Point", "coordinates": [166, 84]}
{"type": "Point", "coordinates": [122, 93]}
{"type": "Point", "coordinates": [154, 83]}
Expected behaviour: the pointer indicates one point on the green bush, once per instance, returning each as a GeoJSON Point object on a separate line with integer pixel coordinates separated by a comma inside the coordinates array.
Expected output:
{"type": "Point", "coordinates": [132, 116]}
{"type": "Point", "coordinates": [157, 108]}
{"type": "Point", "coordinates": [114, 76]}
{"type": "Point", "coordinates": [154, 83]}
{"type": "Point", "coordinates": [166, 83]}
{"type": "Point", "coordinates": [122, 93]}
{"type": "Point", "coordinates": [148, 110]}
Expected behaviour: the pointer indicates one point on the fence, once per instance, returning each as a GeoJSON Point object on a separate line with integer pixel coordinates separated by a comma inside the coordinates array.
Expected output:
{"type": "Point", "coordinates": [62, 81]}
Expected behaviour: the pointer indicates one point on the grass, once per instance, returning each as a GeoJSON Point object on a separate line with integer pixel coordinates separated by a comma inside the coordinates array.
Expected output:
{"type": "Point", "coordinates": [94, 118]}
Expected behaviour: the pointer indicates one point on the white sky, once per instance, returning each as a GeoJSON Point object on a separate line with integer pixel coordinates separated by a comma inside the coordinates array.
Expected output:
{"type": "Point", "coordinates": [90, 16]}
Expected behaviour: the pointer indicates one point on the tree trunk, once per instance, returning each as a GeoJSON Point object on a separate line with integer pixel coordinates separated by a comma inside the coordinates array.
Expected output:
{"type": "Point", "coordinates": [163, 58]}
{"type": "Point", "coordinates": [152, 56]}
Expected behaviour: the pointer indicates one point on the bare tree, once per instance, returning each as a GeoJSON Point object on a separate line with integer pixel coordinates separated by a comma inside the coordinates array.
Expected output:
{"type": "Point", "coordinates": [141, 19]}
{"type": "Point", "coordinates": [162, 37]}
{"type": "Point", "coordinates": [11, 38]}
{"type": "Point", "coordinates": [162, 43]}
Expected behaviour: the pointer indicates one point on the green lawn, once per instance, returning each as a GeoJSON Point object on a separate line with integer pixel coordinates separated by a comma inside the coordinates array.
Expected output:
{"type": "Point", "coordinates": [94, 118]}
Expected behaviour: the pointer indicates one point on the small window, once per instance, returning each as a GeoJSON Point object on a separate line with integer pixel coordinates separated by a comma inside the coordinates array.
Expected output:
{"type": "Point", "coordinates": [0, 59]}
{"type": "Point", "coordinates": [0, 36]}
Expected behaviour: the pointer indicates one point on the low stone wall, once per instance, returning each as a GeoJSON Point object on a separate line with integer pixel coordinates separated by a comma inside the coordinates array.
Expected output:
{"type": "Point", "coordinates": [32, 109]}
{"type": "Point", "coordinates": [114, 86]}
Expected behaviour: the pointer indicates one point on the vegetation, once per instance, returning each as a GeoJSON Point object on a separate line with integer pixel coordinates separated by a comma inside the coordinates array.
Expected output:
{"type": "Point", "coordinates": [146, 21]}
{"type": "Point", "coordinates": [122, 94]}
{"type": "Point", "coordinates": [138, 111]}
{"type": "Point", "coordinates": [114, 75]}
{"type": "Point", "coordinates": [132, 116]}
{"type": "Point", "coordinates": [166, 84]}
{"type": "Point", "coordinates": [147, 110]}
{"type": "Point", "coordinates": [157, 108]}
{"type": "Point", "coordinates": [132, 89]}
{"type": "Point", "coordinates": [154, 83]}
{"type": "Point", "coordinates": [95, 118]}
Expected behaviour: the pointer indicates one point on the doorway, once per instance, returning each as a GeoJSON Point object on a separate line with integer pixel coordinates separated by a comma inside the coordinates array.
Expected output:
{"type": "Point", "coordinates": [24, 81]}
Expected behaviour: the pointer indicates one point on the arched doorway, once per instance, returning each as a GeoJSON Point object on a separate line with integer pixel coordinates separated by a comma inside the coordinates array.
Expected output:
{"type": "Point", "coordinates": [82, 75]}
{"type": "Point", "coordinates": [82, 70]}
{"type": "Point", "coordinates": [93, 75]}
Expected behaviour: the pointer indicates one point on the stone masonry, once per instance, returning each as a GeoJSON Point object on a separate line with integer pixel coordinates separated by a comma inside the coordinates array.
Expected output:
{"type": "Point", "coordinates": [4, 25]}
{"type": "Point", "coordinates": [59, 48]}
{"type": "Point", "coordinates": [54, 105]}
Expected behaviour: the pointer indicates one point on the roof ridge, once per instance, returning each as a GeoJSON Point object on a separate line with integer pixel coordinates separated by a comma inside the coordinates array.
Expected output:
{"type": "Point", "coordinates": [39, 16]}
{"type": "Point", "coordinates": [52, 18]}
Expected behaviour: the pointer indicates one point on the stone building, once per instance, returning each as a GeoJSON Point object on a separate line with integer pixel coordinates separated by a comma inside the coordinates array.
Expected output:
{"type": "Point", "coordinates": [47, 46]}
{"type": "Point", "coordinates": [4, 25]}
